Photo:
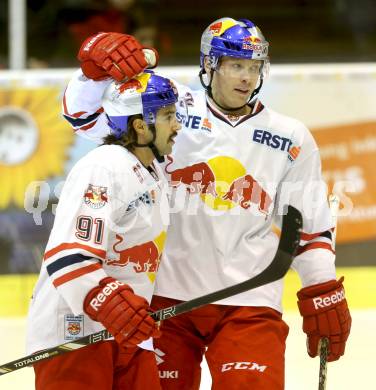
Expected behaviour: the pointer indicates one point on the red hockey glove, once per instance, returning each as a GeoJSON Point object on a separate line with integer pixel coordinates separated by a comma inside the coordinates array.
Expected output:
{"type": "Point", "coordinates": [115, 55]}
{"type": "Point", "coordinates": [123, 313]}
{"type": "Point", "coordinates": [325, 313]}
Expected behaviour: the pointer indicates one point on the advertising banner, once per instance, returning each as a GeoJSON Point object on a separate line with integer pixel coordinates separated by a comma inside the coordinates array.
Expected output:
{"type": "Point", "coordinates": [38, 148]}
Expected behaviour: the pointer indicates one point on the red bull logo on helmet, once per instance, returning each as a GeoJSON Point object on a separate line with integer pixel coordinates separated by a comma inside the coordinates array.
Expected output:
{"type": "Point", "coordinates": [132, 84]}
{"type": "Point", "coordinates": [215, 28]}
{"type": "Point", "coordinates": [253, 43]}
{"type": "Point", "coordinates": [218, 28]}
{"type": "Point", "coordinates": [139, 83]}
{"type": "Point", "coordinates": [251, 39]}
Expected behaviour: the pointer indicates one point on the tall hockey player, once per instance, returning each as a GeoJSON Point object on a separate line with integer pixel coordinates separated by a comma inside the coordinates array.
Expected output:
{"type": "Point", "coordinates": [105, 246]}
{"type": "Point", "coordinates": [236, 163]}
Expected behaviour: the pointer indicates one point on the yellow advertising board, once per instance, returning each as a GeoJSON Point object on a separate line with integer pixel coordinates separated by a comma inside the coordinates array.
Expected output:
{"type": "Point", "coordinates": [34, 140]}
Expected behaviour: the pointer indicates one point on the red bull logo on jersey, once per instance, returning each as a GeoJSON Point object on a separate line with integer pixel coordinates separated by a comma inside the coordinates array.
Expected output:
{"type": "Point", "coordinates": [95, 196]}
{"type": "Point", "coordinates": [246, 190]}
{"type": "Point", "coordinates": [144, 257]}
{"type": "Point", "coordinates": [222, 184]}
{"type": "Point", "coordinates": [198, 178]}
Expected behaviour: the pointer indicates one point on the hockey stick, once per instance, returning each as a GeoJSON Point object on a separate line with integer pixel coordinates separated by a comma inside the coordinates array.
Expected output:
{"type": "Point", "coordinates": [324, 342]}
{"type": "Point", "coordinates": [288, 243]}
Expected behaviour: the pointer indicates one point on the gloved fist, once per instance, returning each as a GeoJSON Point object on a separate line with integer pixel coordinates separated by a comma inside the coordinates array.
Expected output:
{"type": "Point", "coordinates": [115, 55]}
{"type": "Point", "coordinates": [123, 313]}
{"type": "Point", "coordinates": [325, 314]}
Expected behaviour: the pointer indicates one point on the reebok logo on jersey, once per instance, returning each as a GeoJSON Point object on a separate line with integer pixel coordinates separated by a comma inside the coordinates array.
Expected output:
{"type": "Point", "coordinates": [243, 366]}
{"type": "Point", "coordinates": [96, 302]}
{"type": "Point", "coordinates": [323, 302]}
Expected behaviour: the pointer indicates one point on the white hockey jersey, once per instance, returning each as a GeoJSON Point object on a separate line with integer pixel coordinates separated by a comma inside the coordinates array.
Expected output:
{"type": "Point", "coordinates": [111, 220]}
{"type": "Point", "coordinates": [231, 178]}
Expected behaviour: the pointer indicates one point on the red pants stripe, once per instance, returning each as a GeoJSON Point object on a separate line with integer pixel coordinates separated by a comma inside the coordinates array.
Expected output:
{"type": "Point", "coordinates": [244, 347]}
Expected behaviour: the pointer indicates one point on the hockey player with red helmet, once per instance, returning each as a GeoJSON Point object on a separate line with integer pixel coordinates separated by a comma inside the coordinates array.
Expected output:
{"type": "Point", "coordinates": [104, 249]}
{"type": "Point", "coordinates": [235, 165]}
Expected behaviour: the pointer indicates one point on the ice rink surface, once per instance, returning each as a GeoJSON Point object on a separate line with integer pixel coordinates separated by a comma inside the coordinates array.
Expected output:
{"type": "Point", "coordinates": [352, 371]}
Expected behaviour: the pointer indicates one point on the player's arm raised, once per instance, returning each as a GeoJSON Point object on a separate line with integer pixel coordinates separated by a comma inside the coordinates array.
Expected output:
{"type": "Point", "coordinates": [103, 57]}
{"type": "Point", "coordinates": [116, 55]}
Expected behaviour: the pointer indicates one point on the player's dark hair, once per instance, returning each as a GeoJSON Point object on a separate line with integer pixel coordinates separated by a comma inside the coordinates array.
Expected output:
{"type": "Point", "coordinates": [128, 139]}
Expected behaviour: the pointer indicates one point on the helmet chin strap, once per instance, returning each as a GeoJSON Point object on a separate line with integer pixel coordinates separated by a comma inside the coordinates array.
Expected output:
{"type": "Point", "coordinates": [151, 145]}
{"type": "Point", "coordinates": [208, 89]}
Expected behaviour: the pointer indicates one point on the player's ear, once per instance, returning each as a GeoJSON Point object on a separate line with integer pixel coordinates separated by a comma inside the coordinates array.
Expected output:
{"type": "Point", "coordinates": [140, 127]}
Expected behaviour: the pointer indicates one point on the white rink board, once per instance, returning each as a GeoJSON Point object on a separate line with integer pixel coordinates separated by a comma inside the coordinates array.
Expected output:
{"type": "Point", "coordinates": [352, 371]}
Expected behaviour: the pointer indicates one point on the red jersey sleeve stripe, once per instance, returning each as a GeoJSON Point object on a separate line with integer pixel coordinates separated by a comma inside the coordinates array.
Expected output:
{"type": "Point", "coordinates": [75, 245]}
{"type": "Point", "coordinates": [314, 245]}
{"type": "Point", "coordinates": [87, 127]}
{"type": "Point", "coordinates": [75, 274]}
{"type": "Point", "coordinates": [311, 236]}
